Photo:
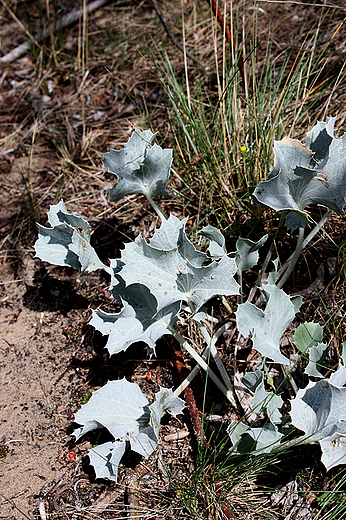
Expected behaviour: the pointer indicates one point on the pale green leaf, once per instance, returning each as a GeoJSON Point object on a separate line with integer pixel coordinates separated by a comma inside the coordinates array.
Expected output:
{"type": "Point", "coordinates": [338, 378]}
{"type": "Point", "coordinates": [253, 440]}
{"type": "Point", "coordinates": [106, 458]}
{"type": "Point", "coordinates": [67, 242]}
{"type": "Point", "coordinates": [217, 247]}
{"type": "Point", "coordinates": [165, 400]}
{"type": "Point", "coordinates": [307, 335]}
{"type": "Point", "coordinates": [263, 400]}
{"type": "Point", "coordinates": [86, 254]}
{"type": "Point", "coordinates": [333, 450]}
{"type": "Point", "coordinates": [138, 320]}
{"type": "Point", "coordinates": [320, 138]}
{"type": "Point", "coordinates": [176, 273]}
{"type": "Point", "coordinates": [171, 235]}
{"type": "Point", "coordinates": [269, 401]}
{"type": "Point", "coordinates": [58, 215]}
{"type": "Point", "coordinates": [121, 407]}
{"type": "Point", "coordinates": [266, 438]}
{"type": "Point", "coordinates": [252, 379]}
{"type": "Point", "coordinates": [247, 253]}
{"type": "Point", "coordinates": [319, 410]}
{"type": "Point", "coordinates": [52, 246]}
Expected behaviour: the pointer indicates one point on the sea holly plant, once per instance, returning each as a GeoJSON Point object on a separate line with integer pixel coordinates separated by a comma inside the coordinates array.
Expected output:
{"type": "Point", "coordinates": [162, 282]}
{"type": "Point", "coordinates": [267, 327]}
{"type": "Point", "coordinates": [305, 174]}
{"type": "Point", "coordinates": [139, 168]}
{"type": "Point", "coordinates": [132, 421]}
{"type": "Point", "coordinates": [67, 241]}
{"type": "Point", "coordinates": [319, 410]}
{"type": "Point", "coordinates": [314, 173]}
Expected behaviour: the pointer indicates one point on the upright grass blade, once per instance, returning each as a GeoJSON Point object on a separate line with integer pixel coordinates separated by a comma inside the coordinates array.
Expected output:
{"type": "Point", "coordinates": [228, 127]}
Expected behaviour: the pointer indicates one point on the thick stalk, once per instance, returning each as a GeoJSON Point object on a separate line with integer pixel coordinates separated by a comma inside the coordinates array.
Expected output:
{"type": "Point", "coordinates": [190, 377]}
{"type": "Point", "coordinates": [227, 393]}
{"type": "Point", "coordinates": [211, 341]}
{"type": "Point", "coordinates": [317, 228]}
{"type": "Point", "coordinates": [240, 279]}
{"type": "Point", "coordinates": [204, 356]}
{"type": "Point", "coordinates": [156, 208]}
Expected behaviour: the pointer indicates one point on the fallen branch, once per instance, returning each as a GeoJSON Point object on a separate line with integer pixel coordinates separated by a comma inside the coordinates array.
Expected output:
{"type": "Point", "coordinates": [66, 20]}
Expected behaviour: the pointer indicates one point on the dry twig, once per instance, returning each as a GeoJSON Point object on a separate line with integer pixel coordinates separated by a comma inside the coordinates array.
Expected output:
{"type": "Point", "coordinates": [172, 37]}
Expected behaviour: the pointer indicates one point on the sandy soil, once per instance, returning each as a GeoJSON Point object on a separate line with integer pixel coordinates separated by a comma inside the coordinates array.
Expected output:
{"type": "Point", "coordinates": [35, 397]}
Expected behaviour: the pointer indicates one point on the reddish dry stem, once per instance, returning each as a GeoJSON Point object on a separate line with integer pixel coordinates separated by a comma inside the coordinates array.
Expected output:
{"type": "Point", "coordinates": [188, 393]}
{"type": "Point", "coordinates": [226, 29]}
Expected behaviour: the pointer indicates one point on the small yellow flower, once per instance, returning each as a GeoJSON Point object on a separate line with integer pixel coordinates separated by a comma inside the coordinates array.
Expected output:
{"type": "Point", "coordinates": [243, 150]}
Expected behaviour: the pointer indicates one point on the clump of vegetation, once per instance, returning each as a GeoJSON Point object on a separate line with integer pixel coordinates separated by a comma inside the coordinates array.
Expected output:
{"type": "Point", "coordinates": [3, 452]}
{"type": "Point", "coordinates": [220, 105]}
{"type": "Point", "coordinates": [166, 281]}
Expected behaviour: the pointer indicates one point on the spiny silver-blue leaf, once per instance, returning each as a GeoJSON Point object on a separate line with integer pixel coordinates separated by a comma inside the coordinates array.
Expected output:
{"type": "Point", "coordinates": [138, 320]}
{"type": "Point", "coordinates": [247, 253]}
{"type": "Point", "coordinates": [175, 273]}
{"type": "Point", "coordinates": [139, 167]}
{"type": "Point", "coordinates": [122, 408]}
{"type": "Point", "coordinates": [267, 327]}
{"type": "Point", "coordinates": [319, 410]}
{"type": "Point", "coordinates": [314, 173]}
{"type": "Point", "coordinates": [67, 242]}
{"type": "Point", "coordinates": [217, 247]}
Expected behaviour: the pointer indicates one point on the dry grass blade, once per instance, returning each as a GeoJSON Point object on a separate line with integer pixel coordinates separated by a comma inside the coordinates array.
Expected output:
{"type": "Point", "coordinates": [296, 2]}
{"type": "Point", "coordinates": [15, 54]}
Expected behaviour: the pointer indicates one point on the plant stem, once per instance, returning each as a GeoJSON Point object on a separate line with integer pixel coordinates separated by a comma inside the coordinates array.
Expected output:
{"type": "Point", "coordinates": [197, 368]}
{"type": "Point", "coordinates": [191, 375]}
{"type": "Point", "coordinates": [305, 242]}
{"type": "Point", "coordinates": [267, 259]}
{"type": "Point", "coordinates": [227, 393]}
{"type": "Point", "coordinates": [211, 342]}
{"type": "Point", "coordinates": [240, 279]}
{"type": "Point", "coordinates": [156, 208]}
{"type": "Point", "coordinates": [317, 228]}
{"type": "Point", "coordinates": [213, 350]}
